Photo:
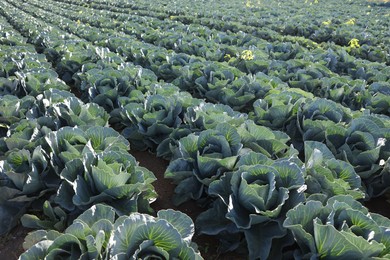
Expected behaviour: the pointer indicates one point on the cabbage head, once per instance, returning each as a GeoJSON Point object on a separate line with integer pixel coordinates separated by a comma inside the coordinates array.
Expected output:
{"type": "Point", "coordinates": [112, 177]}
{"type": "Point", "coordinates": [201, 159]}
{"type": "Point", "coordinates": [253, 200]}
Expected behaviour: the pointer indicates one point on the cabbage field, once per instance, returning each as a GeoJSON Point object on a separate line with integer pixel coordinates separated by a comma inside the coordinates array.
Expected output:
{"type": "Point", "coordinates": [248, 129]}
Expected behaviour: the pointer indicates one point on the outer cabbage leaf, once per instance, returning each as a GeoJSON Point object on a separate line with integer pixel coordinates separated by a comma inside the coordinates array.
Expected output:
{"type": "Point", "coordinates": [278, 110]}
{"type": "Point", "coordinates": [379, 102]}
{"type": "Point", "coordinates": [13, 109]}
{"type": "Point", "coordinates": [264, 140]}
{"type": "Point", "coordinates": [167, 236]}
{"type": "Point", "coordinates": [105, 86]}
{"type": "Point", "coordinates": [35, 81]}
{"type": "Point", "coordinates": [329, 176]}
{"type": "Point", "coordinates": [25, 134]}
{"type": "Point", "coordinates": [201, 159]}
{"type": "Point", "coordinates": [24, 178]}
{"type": "Point", "coordinates": [208, 116]}
{"type": "Point", "coordinates": [331, 242]}
{"type": "Point", "coordinates": [72, 112]}
{"type": "Point", "coordinates": [70, 143]}
{"type": "Point", "coordinates": [86, 238]}
{"type": "Point", "coordinates": [365, 145]}
{"type": "Point", "coordinates": [153, 121]}
{"type": "Point", "coordinates": [10, 86]}
{"type": "Point", "coordinates": [108, 85]}
{"type": "Point", "coordinates": [320, 114]}
{"type": "Point", "coordinates": [55, 218]}
{"type": "Point", "coordinates": [340, 228]}
{"type": "Point", "coordinates": [241, 92]}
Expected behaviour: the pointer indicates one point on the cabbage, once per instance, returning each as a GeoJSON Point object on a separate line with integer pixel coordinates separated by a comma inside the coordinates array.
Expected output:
{"type": "Point", "coordinates": [201, 159]}
{"type": "Point", "coordinates": [253, 200]}
{"type": "Point", "coordinates": [99, 234]}
{"type": "Point", "coordinates": [342, 228]}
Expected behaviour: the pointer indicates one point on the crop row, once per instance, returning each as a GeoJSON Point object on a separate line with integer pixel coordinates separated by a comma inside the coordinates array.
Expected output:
{"type": "Point", "coordinates": [165, 33]}
{"type": "Point", "coordinates": [8, 36]}
{"type": "Point", "coordinates": [21, 63]}
{"type": "Point", "coordinates": [268, 20]}
{"type": "Point", "coordinates": [264, 103]}
{"type": "Point", "coordinates": [56, 150]}
{"type": "Point", "coordinates": [298, 73]}
{"type": "Point", "coordinates": [293, 118]}
{"type": "Point", "coordinates": [240, 167]}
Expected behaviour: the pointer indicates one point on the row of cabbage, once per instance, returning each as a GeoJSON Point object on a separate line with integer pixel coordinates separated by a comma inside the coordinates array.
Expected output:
{"type": "Point", "coordinates": [297, 113]}
{"type": "Point", "coordinates": [285, 61]}
{"type": "Point", "coordinates": [201, 41]}
{"type": "Point", "coordinates": [379, 142]}
{"type": "Point", "coordinates": [20, 62]}
{"type": "Point", "coordinates": [57, 154]}
{"type": "Point", "coordinates": [319, 21]}
{"type": "Point", "coordinates": [239, 154]}
{"type": "Point", "coordinates": [60, 153]}
{"type": "Point", "coordinates": [288, 122]}
{"type": "Point", "coordinates": [240, 147]}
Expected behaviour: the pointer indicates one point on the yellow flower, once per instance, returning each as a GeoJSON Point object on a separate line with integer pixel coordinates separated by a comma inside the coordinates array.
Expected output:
{"type": "Point", "coordinates": [329, 22]}
{"type": "Point", "coordinates": [354, 43]}
{"type": "Point", "coordinates": [227, 57]}
{"type": "Point", "coordinates": [78, 22]}
{"type": "Point", "coordinates": [350, 21]}
{"type": "Point", "coordinates": [247, 55]}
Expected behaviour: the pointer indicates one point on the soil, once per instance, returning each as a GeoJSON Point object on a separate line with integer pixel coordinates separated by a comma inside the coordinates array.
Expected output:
{"type": "Point", "coordinates": [11, 245]}
{"type": "Point", "coordinates": [380, 205]}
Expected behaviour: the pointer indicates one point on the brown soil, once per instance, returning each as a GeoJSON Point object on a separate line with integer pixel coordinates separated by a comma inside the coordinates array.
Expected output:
{"type": "Point", "coordinates": [380, 205]}
{"type": "Point", "coordinates": [11, 245]}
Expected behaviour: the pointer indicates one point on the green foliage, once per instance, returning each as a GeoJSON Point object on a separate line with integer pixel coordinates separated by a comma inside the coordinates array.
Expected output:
{"type": "Point", "coordinates": [202, 158]}
{"type": "Point", "coordinates": [99, 234]}
{"type": "Point", "coordinates": [253, 200]}
{"type": "Point", "coordinates": [263, 140]}
{"type": "Point", "coordinates": [24, 178]}
{"type": "Point", "coordinates": [208, 116]}
{"type": "Point", "coordinates": [364, 144]}
{"type": "Point", "coordinates": [112, 177]}
{"type": "Point", "coordinates": [233, 101]}
{"type": "Point", "coordinates": [329, 176]}
{"type": "Point", "coordinates": [340, 228]}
